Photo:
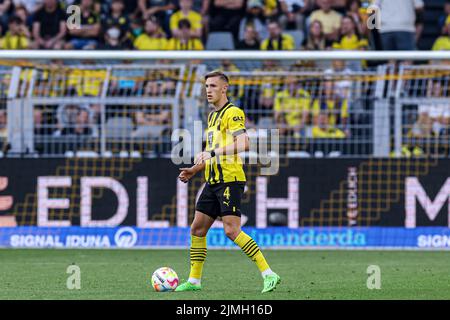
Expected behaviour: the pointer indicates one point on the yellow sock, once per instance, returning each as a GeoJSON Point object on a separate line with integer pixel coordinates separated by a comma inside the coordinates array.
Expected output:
{"type": "Point", "coordinates": [251, 249]}
{"type": "Point", "coordinates": [198, 256]}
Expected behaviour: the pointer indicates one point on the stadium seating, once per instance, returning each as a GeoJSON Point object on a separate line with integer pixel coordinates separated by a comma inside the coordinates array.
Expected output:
{"type": "Point", "coordinates": [220, 41]}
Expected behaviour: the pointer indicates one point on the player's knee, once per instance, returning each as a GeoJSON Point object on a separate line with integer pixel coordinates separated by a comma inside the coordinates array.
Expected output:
{"type": "Point", "coordinates": [232, 232]}
{"type": "Point", "coordinates": [198, 231]}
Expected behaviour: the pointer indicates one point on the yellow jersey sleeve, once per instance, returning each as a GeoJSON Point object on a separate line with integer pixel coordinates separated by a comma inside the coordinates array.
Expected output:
{"type": "Point", "coordinates": [171, 44]}
{"type": "Point", "coordinates": [139, 42]}
{"type": "Point", "coordinates": [174, 18]}
{"type": "Point", "coordinates": [337, 45]}
{"type": "Point", "coordinates": [196, 20]}
{"type": "Point", "coordinates": [198, 45]}
{"type": "Point", "coordinates": [264, 44]}
{"type": "Point", "coordinates": [363, 43]}
{"type": "Point", "coordinates": [290, 43]}
{"type": "Point", "coordinates": [442, 43]}
{"type": "Point", "coordinates": [235, 120]}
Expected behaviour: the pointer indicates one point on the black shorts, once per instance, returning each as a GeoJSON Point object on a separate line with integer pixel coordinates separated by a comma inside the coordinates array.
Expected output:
{"type": "Point", "coordinates": [221, 199]}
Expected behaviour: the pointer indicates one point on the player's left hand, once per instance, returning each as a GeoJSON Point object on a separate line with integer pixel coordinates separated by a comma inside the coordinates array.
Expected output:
{"type": "Point", "coordinates": [202, 157]}
{"type": "Point", "coordinates": [186, 174]}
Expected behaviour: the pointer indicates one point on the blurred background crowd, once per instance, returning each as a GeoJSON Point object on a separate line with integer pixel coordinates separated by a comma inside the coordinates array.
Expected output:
{"type": "Point", "coordinates": [225, 24]}
{"type": "Point", "coordinates": [337, 103]}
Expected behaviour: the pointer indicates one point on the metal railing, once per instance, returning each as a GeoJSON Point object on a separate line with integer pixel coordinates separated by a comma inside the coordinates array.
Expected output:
{"type": "Point", "coordinates": [100, 108]}
{"type": "Point", "coordinates": [423, 99]}
{"type": "Point", "coordinates": [132, 109]}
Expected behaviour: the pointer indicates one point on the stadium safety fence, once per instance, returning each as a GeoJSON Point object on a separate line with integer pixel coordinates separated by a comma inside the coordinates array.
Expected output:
{"type": "Point", "coordinates": [332, 104]}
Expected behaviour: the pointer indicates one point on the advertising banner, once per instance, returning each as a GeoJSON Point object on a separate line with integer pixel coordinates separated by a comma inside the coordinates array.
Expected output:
{"type": "Point", "coordinates": [271, 237]}
{"type": "Point", "coordinates": [145, 193]}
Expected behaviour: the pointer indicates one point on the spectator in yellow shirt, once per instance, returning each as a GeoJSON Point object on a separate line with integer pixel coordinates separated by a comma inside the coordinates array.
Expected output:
{"type": "Point", "coordinates": [277, 40]}
{"type": "Point", "coordinates": [184, 40]}
{"type": "Point", "coordinates": [330, 19]}
{"type": "Point", "coordinates": [350, 39]}
{"type": "Point", "coordinates": [443, 42]}
{"type": "Point", "coordinates": [292, 107]}
{"type": "Point", "coordinates": [186, 12]}
{"type": "Point", "coordinates": [18, 36]}
{"type": "Point", "coordinates": [334, 105]}
{"type": "Point", "coordinates": [153, 38]}
{"type": "Point", "coordinates": [324, 130]}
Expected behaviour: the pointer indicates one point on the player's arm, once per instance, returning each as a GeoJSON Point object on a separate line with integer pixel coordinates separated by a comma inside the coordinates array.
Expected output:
{"type": "Point", "coordinates": [235, 123]}
{"type": "Point", "coordinates": [241, 143]}
{"type": "Point", "coordinates": [188, 173]}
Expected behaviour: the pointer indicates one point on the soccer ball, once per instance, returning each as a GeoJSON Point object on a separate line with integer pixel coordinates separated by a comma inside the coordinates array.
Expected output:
{"type": "Point", "coordinates": [164, 279]}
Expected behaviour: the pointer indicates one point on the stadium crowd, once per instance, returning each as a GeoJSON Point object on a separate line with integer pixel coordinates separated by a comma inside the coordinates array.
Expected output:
{"type": "Point", "coordinates": [299, 108]}
{"type": "Point", "coordinates": [187, 24]}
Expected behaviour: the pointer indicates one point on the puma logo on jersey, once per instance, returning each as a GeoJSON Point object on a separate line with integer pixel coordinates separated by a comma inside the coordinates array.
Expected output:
{"type": "Point", "coordinates": [227, 203]}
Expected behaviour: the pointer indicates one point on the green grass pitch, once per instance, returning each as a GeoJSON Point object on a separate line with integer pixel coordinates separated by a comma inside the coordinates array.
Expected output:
{"type": "Point", "coordinates": [228, 274]}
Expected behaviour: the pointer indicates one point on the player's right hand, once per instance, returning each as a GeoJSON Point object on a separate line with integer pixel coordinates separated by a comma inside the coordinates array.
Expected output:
{"type": "Point", "coordinates": [186, 174]}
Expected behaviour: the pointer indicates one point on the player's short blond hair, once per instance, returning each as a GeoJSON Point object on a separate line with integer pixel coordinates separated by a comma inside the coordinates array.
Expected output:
{"type": "Point", "coordinates": [217, 73]}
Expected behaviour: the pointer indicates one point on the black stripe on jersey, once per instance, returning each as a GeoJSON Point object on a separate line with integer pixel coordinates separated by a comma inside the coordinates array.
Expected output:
{"type": "Point", "coordinates": [214, 118]}
{"type": "Point", "coordinates": [218, 117]}
{"type": "Point", "coordinates": [221, 116]}
{"type": "Point", "coordinates": [219, 167]}
{"type": "Point", "coordinates": [210, 171]}
{"type": "Point", "coordinates": [210, 117]}
{"type": "Point", "coordinates": [214, 176]}
{"type": "Point", "coordinates": [222, 112]}
{"type": "Point", "coordinates": [213, 171]}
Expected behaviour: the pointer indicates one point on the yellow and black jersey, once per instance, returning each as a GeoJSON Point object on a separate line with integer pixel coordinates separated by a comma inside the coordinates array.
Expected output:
{"type": "Point", "coordinates": [177, 44]}
{"type": "Point", "coordinates": [89, 19]}
{"type": "Point", "coordinates": [109, 21]}
{"type": "Point", "coordinates": [223, 126]}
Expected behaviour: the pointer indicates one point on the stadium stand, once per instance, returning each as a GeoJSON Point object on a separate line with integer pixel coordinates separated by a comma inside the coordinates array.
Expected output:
{"type": "Point", "coordinates": [75, 102]}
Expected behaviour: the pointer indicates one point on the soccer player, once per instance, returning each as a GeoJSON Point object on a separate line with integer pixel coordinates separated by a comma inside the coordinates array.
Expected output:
{"type": "Point", "coordinates": [225, 180]}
